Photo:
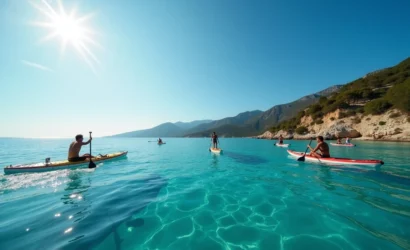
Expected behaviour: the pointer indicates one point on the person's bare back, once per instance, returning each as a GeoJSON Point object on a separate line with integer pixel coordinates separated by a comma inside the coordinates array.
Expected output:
{"type": "Point", "coordinates": [74, 150]}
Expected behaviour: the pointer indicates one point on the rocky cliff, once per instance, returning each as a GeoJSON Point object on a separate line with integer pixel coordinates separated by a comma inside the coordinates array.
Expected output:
{"type": "Point", "coordinates": [390, 126]}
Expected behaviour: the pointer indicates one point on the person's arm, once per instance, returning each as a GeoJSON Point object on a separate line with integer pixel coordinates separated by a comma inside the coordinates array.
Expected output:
{"type": "Point", "coordinates": [314, 149]}
{"type": "Point", "coordinates": [88, 142]}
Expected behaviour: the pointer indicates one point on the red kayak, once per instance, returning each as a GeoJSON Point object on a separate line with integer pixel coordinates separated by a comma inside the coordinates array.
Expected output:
{"type": "Point", "coordinates": [343, 144]}
{"type": "Point", "coordinates": [337, 161]}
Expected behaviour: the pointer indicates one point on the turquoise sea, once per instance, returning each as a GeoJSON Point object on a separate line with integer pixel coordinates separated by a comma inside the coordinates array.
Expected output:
{"type": "Point", "coordinates": [181, 196]}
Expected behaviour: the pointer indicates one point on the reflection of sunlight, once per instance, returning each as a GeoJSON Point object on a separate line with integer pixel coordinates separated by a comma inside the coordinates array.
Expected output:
{"type": "Point", "coordinates": [72, 30]}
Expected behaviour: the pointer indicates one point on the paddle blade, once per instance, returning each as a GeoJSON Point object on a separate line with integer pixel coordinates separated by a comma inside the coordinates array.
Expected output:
{"type": "Point", "coordinates": [301, 158]}
{"type": "Point", "coordinates": [92, 165]}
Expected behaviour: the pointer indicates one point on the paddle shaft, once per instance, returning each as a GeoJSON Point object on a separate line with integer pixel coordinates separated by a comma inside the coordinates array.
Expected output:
{"type": "Point", "coordinates": [303, 157]}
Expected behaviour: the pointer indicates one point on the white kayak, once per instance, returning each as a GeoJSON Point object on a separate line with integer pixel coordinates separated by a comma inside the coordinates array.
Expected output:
{"type": "Point", "coordinates": [343, 144]}
{"type": "Point", "coordinates": [337, 161]}
{"type": "Point", "coordinates": [57, 165]}
{"type": "Point", "coordinates": [215, 150]}
{"type": "Point", "coordinates": [283, 145]}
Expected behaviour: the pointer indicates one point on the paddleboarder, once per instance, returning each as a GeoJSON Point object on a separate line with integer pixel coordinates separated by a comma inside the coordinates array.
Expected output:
{"type": "Point", "coordinates": [215, 140]}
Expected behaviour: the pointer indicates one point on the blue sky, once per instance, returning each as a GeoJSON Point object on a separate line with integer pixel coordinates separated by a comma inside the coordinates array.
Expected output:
{"type": "Point", "coordinates": [184, 60]}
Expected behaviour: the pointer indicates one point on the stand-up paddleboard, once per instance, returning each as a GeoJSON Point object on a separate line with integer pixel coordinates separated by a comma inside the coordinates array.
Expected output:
{"type": "Point", "coordinates": [343, 144]}
{"type": "Point", "coordinates": [215, 150]}
{"type": "Point", "coordinates": [337, 161]}
{"type": "Point", "coordinates": [283, 145]}
{"type": "Point", "coordinates": [57, 165]}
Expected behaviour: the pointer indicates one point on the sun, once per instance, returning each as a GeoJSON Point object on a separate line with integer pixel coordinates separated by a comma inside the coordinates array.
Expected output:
{"type": "Point", "coordinates": [71, 30]}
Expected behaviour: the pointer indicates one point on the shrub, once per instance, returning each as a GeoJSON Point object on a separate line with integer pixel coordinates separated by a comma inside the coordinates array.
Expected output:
{"type": "Point", "coordinates": [314, 109]}
{"type": "Point", "coordinates": [360, 110]}
{"type": "Point", "coordinates": [342, 115]}
{"type": "Point", "coordinates": [332, 118]}
{"type": "Point", "coordinates": [382, 123]}
{"type": "Point", "coordinates": [368, 119]}
{"type": "Point", "coordinates": [317, 115]}
{"type": "Point", "coordinates": [301, 130]}
{"type": "Point", "coordinates": [319, 121]}
{"type": "Point", "coordinates": [394, 115]}
{"type": "Point", "coordinates": [377, 107]}
{"type": "Point", "coordinates": [350, 112]}
{"type": "Point", "coordinates": [399, 95]}
{"type": "Point", "coordinates": [356, 120]}
{"type": "Point", "coordinates": [408, 119]}
{"type": "Point", "coordinates": [312, 123]}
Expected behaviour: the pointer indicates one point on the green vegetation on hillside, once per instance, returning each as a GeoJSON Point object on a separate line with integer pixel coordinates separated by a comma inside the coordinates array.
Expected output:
{"type": "Point", "coordinates": [373, 94]}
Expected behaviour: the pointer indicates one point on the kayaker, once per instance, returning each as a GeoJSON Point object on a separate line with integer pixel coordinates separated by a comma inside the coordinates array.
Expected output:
{"type": "Point", "coordinates": [339, 141]}
{"type": "Point", "coordinates": [280, 139]}
{"type": "Point", "coordinates": [215, 140]}
{"type": "Point", "coordinates": [322, 146]}
{"type": "Point", "coordinates": [159, 140]}
{"type": "Point", "coordinates": [75, 147]}
{"type": "Point", "coordinates": [347, 140]}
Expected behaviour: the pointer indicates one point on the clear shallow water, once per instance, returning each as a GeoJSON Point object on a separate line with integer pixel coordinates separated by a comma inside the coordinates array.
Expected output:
{"type": "Point", "coordinates": [180, 196]}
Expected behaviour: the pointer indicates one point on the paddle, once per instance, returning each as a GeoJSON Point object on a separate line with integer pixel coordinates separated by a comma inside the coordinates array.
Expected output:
{"type": "Point", "coordinates": [302, 158]}
{"type": "Point", "coordinates": [91, 164]}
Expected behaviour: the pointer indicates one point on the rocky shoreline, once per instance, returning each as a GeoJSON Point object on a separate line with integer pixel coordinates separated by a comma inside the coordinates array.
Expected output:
{"type": "Point", "coordinates": [391, 126]}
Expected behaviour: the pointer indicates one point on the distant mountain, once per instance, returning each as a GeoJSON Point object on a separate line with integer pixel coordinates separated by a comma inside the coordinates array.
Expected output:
{"type": "Point", "coordinates": [244, 124]}
{"type": "Point", "coordinates": [239, 120]}
{"type": "Point", "coordinates": [259, 121]}
{"type": "Point", "coordinates": [189, 125]}
{"type": "Point", "coordinates": [164, 130]}
{"type": "Point", "coordinates": [282, 112]}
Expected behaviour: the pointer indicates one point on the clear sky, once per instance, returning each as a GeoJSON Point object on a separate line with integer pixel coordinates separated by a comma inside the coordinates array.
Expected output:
{"type": "Point", "coordinates": [150, 62]}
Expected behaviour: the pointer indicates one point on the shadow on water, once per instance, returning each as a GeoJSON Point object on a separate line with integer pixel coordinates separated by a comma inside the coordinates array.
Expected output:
{"type": "Point", "coordinates": [245, 159]}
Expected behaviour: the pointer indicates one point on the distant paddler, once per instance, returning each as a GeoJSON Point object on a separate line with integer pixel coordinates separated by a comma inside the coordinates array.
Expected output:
{"type": "Point", "coordinates": [280, 139]}
{"type": "Point", "coordinates": [215, 140]}
{"type": "Point", "coordinates": [75, 148]}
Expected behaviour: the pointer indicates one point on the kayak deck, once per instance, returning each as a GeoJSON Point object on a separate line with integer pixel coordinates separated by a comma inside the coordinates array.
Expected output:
{"type": "Point", "coordinates": [283, 145]}
{"type": "Point", "coordinates": [56, 165]}
{"type": "Point", "coordinates": [337, 161]}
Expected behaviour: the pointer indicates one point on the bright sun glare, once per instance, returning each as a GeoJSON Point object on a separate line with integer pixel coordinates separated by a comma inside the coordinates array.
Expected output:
{"type": "Point", "coordinates": [69, 28]}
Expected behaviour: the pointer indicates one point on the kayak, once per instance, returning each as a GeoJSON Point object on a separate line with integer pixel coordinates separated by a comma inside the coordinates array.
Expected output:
{"type": "Point", "coordinates": [216, 150]}
{"type": "Point", "coordinates": [57, 165]}
{"type": "Point", "coordinates": [283, 145]}
{"type": "Point", "coordinates": [343, 144]}
{"type": "Point", "coordinates": [160, 143]}
{"type": "Point", "coordinates": [337, 161]}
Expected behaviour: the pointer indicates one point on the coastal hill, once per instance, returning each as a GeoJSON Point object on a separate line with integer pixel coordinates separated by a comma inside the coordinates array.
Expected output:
{"type": "Point", "coordinates": [262, 120]}
{"type": "Point", "coordinates": [374, 107]}
{"type": "Point", "coordinates": [164, 130]}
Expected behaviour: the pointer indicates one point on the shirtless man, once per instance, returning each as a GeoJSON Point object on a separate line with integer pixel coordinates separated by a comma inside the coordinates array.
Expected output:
{"type": "Point", "coordinates": [322, 146]}
{"type": "Point", "coordinates": [280, 139]}
{"type": "Point", "coordinates": [214, 139]}
{"type": "Point", "coordinates": [75, 147]}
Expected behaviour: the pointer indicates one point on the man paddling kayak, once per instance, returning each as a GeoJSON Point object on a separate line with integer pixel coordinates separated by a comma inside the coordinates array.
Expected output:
{"type": "Point", "coordinates": [215, 140]}
{"type": "Point", "coordinates": [322, 146]}
{"type": "Point", "coordinates": [75, 148]}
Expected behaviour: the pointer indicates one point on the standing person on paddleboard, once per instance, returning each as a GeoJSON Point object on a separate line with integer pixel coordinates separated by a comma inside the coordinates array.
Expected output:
{"type": "Point", "coordinates": [215, 140]}
{"type": "Point", "coordinates": [322, 146]}
{"type": "Point", "coordinates": [280, 139]}
{"type": "Point", "coordinates": [75, 147]}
